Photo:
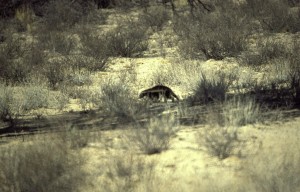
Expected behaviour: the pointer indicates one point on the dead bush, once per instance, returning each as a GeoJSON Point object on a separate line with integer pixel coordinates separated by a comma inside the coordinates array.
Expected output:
{"type": "Point", "coordinates": [241, 111]}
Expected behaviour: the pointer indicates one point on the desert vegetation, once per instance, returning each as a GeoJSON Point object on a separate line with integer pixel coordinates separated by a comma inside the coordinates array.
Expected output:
{"type": "Point", "coordinates": [71, 72]}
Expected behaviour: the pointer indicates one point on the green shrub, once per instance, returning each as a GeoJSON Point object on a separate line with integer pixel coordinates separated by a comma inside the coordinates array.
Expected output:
{"type": "Point", "coordinates": [266, 51]}
{"type": "Point", "coordinates": [12, 68]}
{"type": "Point", "coordinates": [45, 164]}
{"type": "Point", "coordinates": [35, 97]}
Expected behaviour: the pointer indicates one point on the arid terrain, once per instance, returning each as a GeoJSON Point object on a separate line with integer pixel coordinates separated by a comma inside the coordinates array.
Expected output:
{"type": "Point", "coordinates": [71, 118]}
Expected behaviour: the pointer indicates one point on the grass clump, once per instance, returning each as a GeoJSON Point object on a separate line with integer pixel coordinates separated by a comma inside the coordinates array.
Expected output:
{"type": "Point", "coordinates": [220, 141]}
{"type": "Point", "coordinates": [126, 172]}
{"type": "Point", "coordinates": [211, 90]}
{"type": "Point", "coordinates": [241, 111]}
{"type": "Point", "coordinates": [221, 138]}
{"type": "Point", "coordinates": [40, 165]}
{"type": "Point", "coordinates": [117, 99]}
{"type": "Point", "coordinates": [154, 137]}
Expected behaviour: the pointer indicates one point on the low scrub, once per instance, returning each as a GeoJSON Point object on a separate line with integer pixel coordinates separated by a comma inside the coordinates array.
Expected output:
{"type": "Point", "coordinates": [211, 90]}
{"type": "Point", "coordinates": [211, 36]}
{"type": "Point", "coordinates": [219, 141]}
{"type": "Point", "coordinates": [155, 17]}
{"type": "Point", "coordinates": [221, 137]}
{"type": "Point", "coordinates": [64, 14]}
{"type": "Point", "coordinates": [9, 109]}
{"type": "Point", "coordinates": [274, 16]}
{"type": "Point", "coordinates": [129, 39]}
{"type": "Point", "coordinates": [241, 111]}
{"type": "Point", "coordinates": [117, 99]}
{"type": "Point", "coordinates": [17, 101]}
{"type": "Point", "coordinates": [127, 172]}
{"type": "Point", "coordinates": [56, 42]}
{"type": "Point", "coordinates": [155, 135]}
{"type": "Point", "coordinates": [96, 47]}
{"type": "Point", "coordinates": [40, 165]}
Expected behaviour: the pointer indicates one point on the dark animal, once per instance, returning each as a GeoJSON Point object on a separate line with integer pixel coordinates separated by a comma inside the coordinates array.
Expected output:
{"type": "Point", "coordinates": [158, 93]}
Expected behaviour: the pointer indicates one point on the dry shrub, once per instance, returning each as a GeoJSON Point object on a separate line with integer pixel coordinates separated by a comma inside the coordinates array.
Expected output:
{"type": "Point", "coordinates": [155, 17]}
{"type": "Point", "coordinates": [155, 135]}
{"type": "Point", "coordinates": [220, 141]}
{"type": "Point", "coordinates": [274, 16]}
{"type": "Point", "coordinates": [44, 164]}
{"type": "Point", "coordinates": [241, 111]}
{"type": "Point", "coordinates": [95, 46]}
{"type": "Point", "coordinates": [126, 172]}
{"type": "Point", "coordinates": [211, 36]}
{"type": "Point", "coordinates": [128, 39]}
{"type": "Point", "coordinates": [221, 137]}
{"type": "Point", "coordinates": [212, 90]}
{"type": "Point", "coordinates": [117, 99]}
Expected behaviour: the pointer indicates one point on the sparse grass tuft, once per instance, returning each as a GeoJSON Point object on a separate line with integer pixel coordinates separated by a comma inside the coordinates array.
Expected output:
{"type": "Point", "coordinates": [241, 111]}
{"type": "Point", "coordinates": [212, 90]}
{"type": "Point", "coordinates": [219, 141]}
{"type": "Point", "coordinates": [126, 172]}
{"type": "Point", "coordinates": [221, 137]}
{"type": "Point", "coordinates": [154, 137]}
{"type": "Point", "coordinates": [117, 99]}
